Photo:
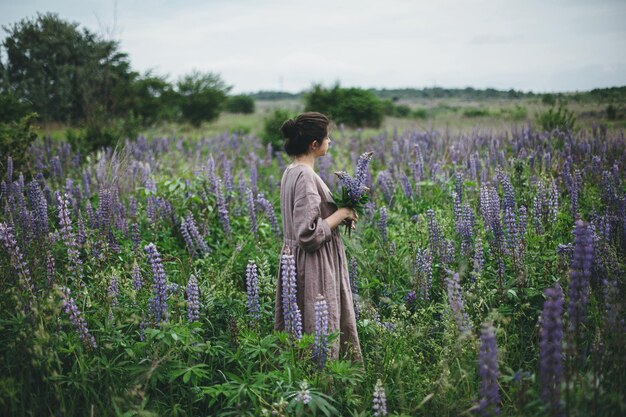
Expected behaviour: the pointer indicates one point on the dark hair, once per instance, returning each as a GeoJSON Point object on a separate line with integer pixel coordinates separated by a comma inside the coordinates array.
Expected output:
{"type": "Point", "coordinates": [304, 130]}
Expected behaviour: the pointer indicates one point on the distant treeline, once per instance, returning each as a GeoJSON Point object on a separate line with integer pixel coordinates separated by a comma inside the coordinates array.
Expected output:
{"type": "Point", "coordinates": [613, 94]}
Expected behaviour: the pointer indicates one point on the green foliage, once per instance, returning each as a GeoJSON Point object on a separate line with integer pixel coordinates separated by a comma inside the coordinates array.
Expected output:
{"type": "Point", "coordinates": [548, 99]}
{"type": "Point", "coordinates": [351, 106]}
{"type": "Point", "coordinates": [611, 112]}
{"type": "Point", "coordinates": [67, 74]}
{"type": "Point", "coordinates": [12, 108]}
{"type": "Point", "coordinates": [475, 112]}
{"type": "Point", "coordinates": [271, 128]}
{"type": "Point", "coordinates": [202, 96]}
{"type": "Point", "coordinates": [556, 118]}
{"type": "Point", "coordinates": [15, 140]}
{"type": "Point", "coordinates": [240, 104]}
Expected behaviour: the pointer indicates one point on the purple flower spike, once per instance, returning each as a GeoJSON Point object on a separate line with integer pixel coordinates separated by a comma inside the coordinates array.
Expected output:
{"type": "Point", "coordinates": [550, 350]}
{"type": "Point", "coordinates": [379, 406]}
{"type": "Point", "coordinates": [159, 286]}
{"type": "Point", "coordinates": [320, 344]}
{"type": "Point", "coordinates": [455, 298]}
{"type": "Point", "coordinates": [193, 299]}
{"type": "Point", "coordinates": [79, 323]}
{"type": "Point", "coordinates": [291, 313]}
{"type": "Point", "coordinates": [580, 272]}
{"type": "Point", "coordinates": [252, 287]}
{"type": "Point", "coordinates": [488, 404]}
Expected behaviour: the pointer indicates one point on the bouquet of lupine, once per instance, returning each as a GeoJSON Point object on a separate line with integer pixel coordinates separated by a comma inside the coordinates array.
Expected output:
{"type": "Point", "coordinates": [353, 190]}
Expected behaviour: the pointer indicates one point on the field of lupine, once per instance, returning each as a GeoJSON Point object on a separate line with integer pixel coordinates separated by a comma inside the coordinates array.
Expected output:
{"type": "Point", "coordinates": [488, 274]}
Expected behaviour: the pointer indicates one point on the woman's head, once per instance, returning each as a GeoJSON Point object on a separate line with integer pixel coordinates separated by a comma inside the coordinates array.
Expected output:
{"type": "Point", "coordinates": [301, 133]}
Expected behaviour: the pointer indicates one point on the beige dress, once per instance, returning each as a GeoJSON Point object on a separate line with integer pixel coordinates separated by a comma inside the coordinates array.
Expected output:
{"type": "Point", "coordinates": [321, 266]}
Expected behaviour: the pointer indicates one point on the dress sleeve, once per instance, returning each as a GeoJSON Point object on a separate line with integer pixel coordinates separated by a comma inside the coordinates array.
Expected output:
{"type": "Point", "coordinates": [312, 231]}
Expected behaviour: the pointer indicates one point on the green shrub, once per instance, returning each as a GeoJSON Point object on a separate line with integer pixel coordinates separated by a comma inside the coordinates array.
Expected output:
{"type": "Point", "coordinates": [611, 112]}
{"type": "Point", "coordinates": [351, 106]}
{"type": "Point", "coordinates": [556, 118]}
{"type": "Point", "coordinates": [240, 104]}
{"type": "Point", "coordinates": [420, 113]}
{"type": "Point", "coordinates": [15, 139]}
{"type": "Point", "coordinates": [202, 97]}
{"type": "Point", "coordinates": [271, 128]}
{"type": "Point", "coordinates": [474, 112]}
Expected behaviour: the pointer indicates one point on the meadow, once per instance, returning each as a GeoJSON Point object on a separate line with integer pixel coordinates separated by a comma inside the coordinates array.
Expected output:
{"type": "Point", "coordinates": [487, 272]}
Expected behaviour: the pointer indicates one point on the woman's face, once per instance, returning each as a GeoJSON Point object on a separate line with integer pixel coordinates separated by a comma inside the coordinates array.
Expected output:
{"type": "Point", "coordinates": [321, 148]}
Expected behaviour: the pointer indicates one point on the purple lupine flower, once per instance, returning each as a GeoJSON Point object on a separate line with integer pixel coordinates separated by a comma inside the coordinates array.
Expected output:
{"type": "Point", "coordinates": [385, 182]}
{"type": "Point", "coordinates": [382, 225]}
{"type": "Point", "coordinates": [67, 234]}
{"type": "Point", "coordinates": [410, 298]}
{"type": "Point", "coordinates": [488, 370]}
{"type": "Point", "coordinates": [252, 288]}
{"type": "Point", "coordinates": [78, 321]}
{"type": "Point", "coordinates": [222, 209]}
{"type": "Point", "coordinates": [580, 272]}
{"type": "Point", "coordinates": [159, 286]}
{"type": "Point", "coordinates": [16, 257]}
{"type": "Point", "coordinates": [254, 226]}
{"type": "Point", "coordinates": [509, 194]}
{"type": "Point", "coordinates": [187, 237]}
{"type": "Point", "coordinates": [198, 240]}
{"type": "Point", "coordinates": [478, 258]}
{"type": "Point", "coordinates": [354, 285]}
{"type": "Point", "coordinates": [424, 268]}
{"type": "Point", "coordinates": [254, 176]}
{"type": "Point", "coordinates": [467, 229]}
{"type": "Point", "coordinates": [136, 277]}
{"type": "Point", "coordinates": [304, 395]}
{"type": "Point", "coordinates": [105, 209]}
{"type": "Point", "coordinates": [379, 406]}
{"type": "Point", "coordinates": [114, 290]}
{"type": "Point", "coordinates": [271, 214]}
{"type": "Point", "coordinates": [458, 216]}
{"type": "Point", "coordinates": [406, 186]}
{"type": "Point", "coordinates": [455, 298]}
{"type": "Point", "coordinates": [458, 184]}
{"type": "Point", "coordinates": [135, 235]}
{"type": "Point", "coordinates": [362, 168]}
{"type": "Point", "coordinates": [418, 167]}
{"type": "Point", "coordinates": [551, 350]}
{"type": "Point", "coordinates": [40, 206]}
{"type": "Point", "coordinates": [50, 269]}
{"type": "Point", "coordinates": [553, 202]}
{"type": "Point", "coordinates": [510, 224]}
{"type": "Point", "coordinates": [320, 343]}
{"type": "Point", "coordinates": [151, 206]}
{"type": "Point", "coordinates": [291, 313]}
{"type": "Point", "coordinates": [353, 189]}
{"type": "Point", "coordinates": [193, 299]}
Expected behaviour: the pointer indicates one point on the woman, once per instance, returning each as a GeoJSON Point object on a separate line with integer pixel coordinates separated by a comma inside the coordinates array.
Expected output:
{"type": "Point", "coordinates": [310, 225]}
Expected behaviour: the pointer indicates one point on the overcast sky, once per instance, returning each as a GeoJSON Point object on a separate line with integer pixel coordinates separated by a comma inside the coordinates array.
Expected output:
{"type": "Point", "coordinates": [538, 45]}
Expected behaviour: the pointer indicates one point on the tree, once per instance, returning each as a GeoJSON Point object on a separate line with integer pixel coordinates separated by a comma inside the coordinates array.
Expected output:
{"type": "Point", "coordinates": [201, 96]}
{"type": "Point", "coordinates": [64, 73]}
{"type": "Point", "coordinates": [351, 106]}
{"type": "Point", "coordinates": [240, 104]}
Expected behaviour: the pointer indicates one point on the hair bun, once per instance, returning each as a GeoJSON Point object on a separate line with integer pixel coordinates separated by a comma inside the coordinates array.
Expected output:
{"type": "Point", "coordinates": [289, 129]}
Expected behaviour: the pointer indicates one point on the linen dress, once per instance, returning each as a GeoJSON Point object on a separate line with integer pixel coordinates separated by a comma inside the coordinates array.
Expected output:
{"type": "Point", "coordinates": [321, 266]}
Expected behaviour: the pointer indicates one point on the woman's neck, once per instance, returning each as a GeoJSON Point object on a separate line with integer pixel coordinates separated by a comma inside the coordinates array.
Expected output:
{"type": "Point", "coordinates": [308, 160]}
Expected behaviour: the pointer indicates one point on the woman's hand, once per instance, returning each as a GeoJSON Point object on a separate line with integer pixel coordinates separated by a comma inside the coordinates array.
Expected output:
{"type": "Point", "coordinates": [350, 214]}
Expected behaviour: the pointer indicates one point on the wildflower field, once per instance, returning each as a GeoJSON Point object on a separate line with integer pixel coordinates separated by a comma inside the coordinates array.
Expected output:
{"type": "Point", "coordinates": [487, 272]}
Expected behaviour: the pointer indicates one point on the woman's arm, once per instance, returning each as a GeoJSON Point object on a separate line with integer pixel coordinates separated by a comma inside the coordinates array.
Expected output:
{"type": "Point", "coordinates": [339, 216]}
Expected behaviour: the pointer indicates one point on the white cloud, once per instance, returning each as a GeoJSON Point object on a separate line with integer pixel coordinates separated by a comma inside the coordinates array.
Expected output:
{"type": "Point", "coordinates": [275, 44]}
